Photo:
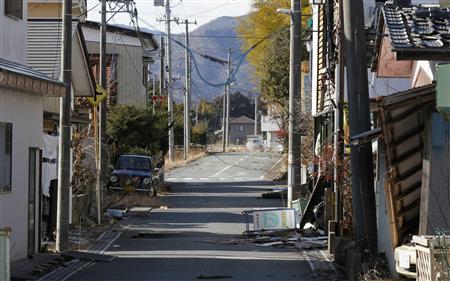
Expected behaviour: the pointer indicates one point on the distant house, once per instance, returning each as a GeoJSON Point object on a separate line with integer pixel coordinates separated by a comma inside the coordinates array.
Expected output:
{"type": "Point", "coordinates": [129, 56]}
{"type": "Point", "coordinates": [271, 126]}
{"type": "Point", "coordinates": [240, 128]}
{"type": "Point", "coordinates": [22, 92]}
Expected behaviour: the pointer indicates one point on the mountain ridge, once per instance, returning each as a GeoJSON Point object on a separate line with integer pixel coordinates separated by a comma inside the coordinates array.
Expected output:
{"type": "Point", "coordinates": [214, 39]}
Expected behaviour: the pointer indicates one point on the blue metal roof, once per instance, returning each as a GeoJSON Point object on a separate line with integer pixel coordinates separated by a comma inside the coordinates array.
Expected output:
{"type": "Point", "coordinates": [20, 69]}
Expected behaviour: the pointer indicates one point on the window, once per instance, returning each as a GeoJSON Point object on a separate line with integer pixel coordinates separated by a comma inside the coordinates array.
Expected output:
{"type": "Point", "coordinates": [14, 8]}
{"type": "Point", "coordinates": [242, 128]}
{"type": "Point", "coordinates": [5, 156]}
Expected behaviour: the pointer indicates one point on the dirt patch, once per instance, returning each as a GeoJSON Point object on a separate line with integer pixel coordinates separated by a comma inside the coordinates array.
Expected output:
{"type": "Point", "coordinates": [180, 162]}
{"type": "Point", "coordinates": [127, 201]}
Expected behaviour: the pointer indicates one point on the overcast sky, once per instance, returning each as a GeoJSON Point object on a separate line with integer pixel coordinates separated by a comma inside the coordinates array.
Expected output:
{"type": "Point", "coordinates": [201, 10]}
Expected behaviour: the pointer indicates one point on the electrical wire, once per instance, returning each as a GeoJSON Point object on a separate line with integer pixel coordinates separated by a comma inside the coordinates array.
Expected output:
{"type": "Point", "coordinates": [241, 58]}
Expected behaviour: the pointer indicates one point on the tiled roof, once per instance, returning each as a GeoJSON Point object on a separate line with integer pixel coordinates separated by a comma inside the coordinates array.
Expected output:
{"type": "Point", "coordinates": [423, 30]}
{"type": "Point", "coordinates": [241, 120]}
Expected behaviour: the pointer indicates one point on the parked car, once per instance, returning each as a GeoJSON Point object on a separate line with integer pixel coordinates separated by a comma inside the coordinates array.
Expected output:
{"type": "Point", "coordinates": [137, 173]}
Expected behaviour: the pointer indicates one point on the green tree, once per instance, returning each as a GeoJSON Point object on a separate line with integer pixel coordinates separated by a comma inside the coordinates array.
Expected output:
{"type": "Point", "coordinates": [263, 22]}
{"type": "Point", "coordinates": [134, 129]}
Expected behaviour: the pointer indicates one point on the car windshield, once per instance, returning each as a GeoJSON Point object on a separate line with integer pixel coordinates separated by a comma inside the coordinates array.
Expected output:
{"type": "Point", "coordinates": [134, 163]}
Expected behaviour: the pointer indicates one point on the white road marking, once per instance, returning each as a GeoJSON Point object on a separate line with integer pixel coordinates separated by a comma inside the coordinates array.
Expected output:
{"type": "Point", "coordinates": [205, 254]}
{"type": "Point", "coordinates": [309, 261]}
{"type": "Point", "coordinates": [221, 171]}
{"type": "Point", "coordinates": [276, 163]}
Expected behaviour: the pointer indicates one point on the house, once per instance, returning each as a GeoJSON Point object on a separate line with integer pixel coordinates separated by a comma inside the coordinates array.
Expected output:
{"type": "Point", "coordinates": [415, 139]}
{"type": "Point", "coordinates": [22, 93]}
{"type": "Point", "coordinates": [240, 128]}
{"type": "Point", "coordinates": [129, 56]}
{"type": "Point", "coordinates": [44, 45]}
{"type": "Point", "coordinates": [271, 125]}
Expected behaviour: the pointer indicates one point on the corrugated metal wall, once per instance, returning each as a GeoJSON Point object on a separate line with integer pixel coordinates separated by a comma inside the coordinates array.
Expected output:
{"type": "Point", "coordinates": [44, 46]}
{"type": "Point", "coordinates": [130, 88]}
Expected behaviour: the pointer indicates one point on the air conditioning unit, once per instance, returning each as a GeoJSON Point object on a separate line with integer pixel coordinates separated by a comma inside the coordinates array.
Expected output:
{"type": "Point", "coordinates": [405, 261]}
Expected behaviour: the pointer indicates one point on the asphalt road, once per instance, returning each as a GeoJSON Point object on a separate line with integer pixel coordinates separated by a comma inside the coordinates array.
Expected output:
{"type": "Point", "coordinates": [199, 235]}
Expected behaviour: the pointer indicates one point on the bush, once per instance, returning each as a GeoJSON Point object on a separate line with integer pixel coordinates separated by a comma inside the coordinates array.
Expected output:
{"type": "Point", "coordinates": [199, 132]}
{"type": "Point", "coordinates": [134, 129]}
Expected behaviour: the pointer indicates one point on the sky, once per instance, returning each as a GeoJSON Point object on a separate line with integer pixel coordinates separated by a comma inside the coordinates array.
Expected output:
{"type": "Point", "coordinates": [202, 11]}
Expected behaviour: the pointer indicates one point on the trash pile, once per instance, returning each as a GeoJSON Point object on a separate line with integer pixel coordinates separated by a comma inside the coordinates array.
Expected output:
{"type": "Point", "coordinates": [289, 239]}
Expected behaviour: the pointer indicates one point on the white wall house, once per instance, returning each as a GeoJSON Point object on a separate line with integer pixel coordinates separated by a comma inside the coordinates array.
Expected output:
{"type": "Point", "coordinates": [127, 60]}
{"type": "Point", "coordinates": [21, 105]}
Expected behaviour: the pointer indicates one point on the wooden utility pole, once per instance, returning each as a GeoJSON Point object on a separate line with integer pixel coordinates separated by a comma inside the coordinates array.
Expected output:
{"type": "Point", "coordinates": [363, 194]}
{"type": "Point", "coordinates": [65, 126]}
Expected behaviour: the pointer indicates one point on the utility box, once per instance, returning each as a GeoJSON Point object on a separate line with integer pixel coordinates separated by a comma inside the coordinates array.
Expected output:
{"type": "Point", "coordinates": [4, 254]}
{"type": "Point", "coordinates": [443, 90]}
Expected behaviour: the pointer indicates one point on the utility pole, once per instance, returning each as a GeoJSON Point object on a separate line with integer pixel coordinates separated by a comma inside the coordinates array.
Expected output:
{"type": "Point", "coordinates": [363, 194]}
{"type": "Point", "coordinates": [256, 116]}
{"type": "Point", "coordinates": [196, 112]}
{"type": "Point", "coordinates": [102, 116]}
{"type": "Point", "coordinates": [169, 84]}
{"type": "Point", "coordinates": [224, 117]}
{"type": "Point", "coordinates": [65, 125]}
{"type": "Point", "coordinates": [227, 94]}
{"type": "Point", "coordinates": [294, 147]}
{"type": "Point", "coordinates": [187, 96]}
{"type": "Point", "coordinates": [162, 66]}
{"type": "Point", "coordinates": [339, 124]}
{"type": "Point", "coordinates": [154, 94]}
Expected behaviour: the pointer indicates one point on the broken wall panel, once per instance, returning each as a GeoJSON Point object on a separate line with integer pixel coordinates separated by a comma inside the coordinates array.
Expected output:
{"type": "Point", "coordinates": [402, 118]}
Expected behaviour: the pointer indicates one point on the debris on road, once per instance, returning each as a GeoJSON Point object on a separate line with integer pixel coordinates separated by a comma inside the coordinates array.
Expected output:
{"type": "Point", "coordinates": [116, 213]}
{"type": "Point", "coordinates": [290, 239]}
{"type": "Point", "coordinates": [278, 193]}
{"type": "Point", "coordinates": [307, 243]}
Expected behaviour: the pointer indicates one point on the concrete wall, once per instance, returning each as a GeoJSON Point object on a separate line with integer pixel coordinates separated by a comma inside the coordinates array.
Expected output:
{"type": "Point", "coordinates": [13, 35]}
{"type": "Point", "coordinates": [24, 110]}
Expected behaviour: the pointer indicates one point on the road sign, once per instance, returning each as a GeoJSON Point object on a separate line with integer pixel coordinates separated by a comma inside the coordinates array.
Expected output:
{"type": "Point", "coordinates": [274, 219]}
{"type": "Point", "coordinates": [101, 94]}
